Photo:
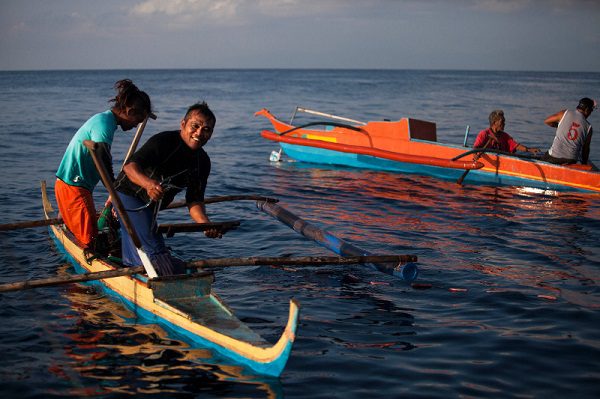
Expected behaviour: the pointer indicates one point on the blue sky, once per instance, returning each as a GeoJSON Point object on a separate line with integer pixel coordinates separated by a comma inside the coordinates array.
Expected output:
{"type": "Point", "coordinates": [540, 35]}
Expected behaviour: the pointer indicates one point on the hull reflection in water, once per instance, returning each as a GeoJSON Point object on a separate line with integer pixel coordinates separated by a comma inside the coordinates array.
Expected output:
{"type": "Point", "coordinates": [109, 352]}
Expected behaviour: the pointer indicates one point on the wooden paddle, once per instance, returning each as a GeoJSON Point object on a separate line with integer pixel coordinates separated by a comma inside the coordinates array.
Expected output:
{"type": "Point", "coordinates": [207, 264]}
{"type": "Point", "coordinates": [136, 138]}
{"type": "Point", "coordinates": [125, 222]}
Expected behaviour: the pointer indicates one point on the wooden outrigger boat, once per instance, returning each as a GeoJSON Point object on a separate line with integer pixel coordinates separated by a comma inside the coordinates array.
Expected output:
{"type": "Point", "coordinates": [184, 305]}
{"type": "Point", "coordinates": [410, 146]}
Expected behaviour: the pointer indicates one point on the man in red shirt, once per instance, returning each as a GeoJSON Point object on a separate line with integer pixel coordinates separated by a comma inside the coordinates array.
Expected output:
{"type": "Point", "coordinates": [496, 138]}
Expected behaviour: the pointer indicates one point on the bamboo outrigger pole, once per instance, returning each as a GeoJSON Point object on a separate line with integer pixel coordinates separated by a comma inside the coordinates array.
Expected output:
{"type": "Point", "coordinates": [203, 264]}
{"type": "Point", "coordinates": [173, 205]}
{"type": "Point", "coordinates": [30, 223]}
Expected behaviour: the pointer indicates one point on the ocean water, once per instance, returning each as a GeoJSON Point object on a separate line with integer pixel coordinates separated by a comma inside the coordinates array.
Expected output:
{"type": "Point", "coordinates": [507, 303]}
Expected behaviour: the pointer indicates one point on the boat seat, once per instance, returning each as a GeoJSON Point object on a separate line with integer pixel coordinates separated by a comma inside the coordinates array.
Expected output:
{"type": "Point", "coordinates": [182, 286]}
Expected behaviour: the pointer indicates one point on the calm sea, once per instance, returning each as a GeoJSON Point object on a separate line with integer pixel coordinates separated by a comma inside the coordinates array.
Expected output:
{"type": "Point", "coordinates": [508, 301]}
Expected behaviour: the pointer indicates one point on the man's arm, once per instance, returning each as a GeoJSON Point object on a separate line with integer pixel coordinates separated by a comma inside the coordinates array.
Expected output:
{"type": "Point", "coordinates": [136, 175]}
{"type": "Point", "coordinates": [521, 147]}
{"type": "Point", "coordinates": [554, 119]}
{"type": "Point", "coordinates": [198, 213]}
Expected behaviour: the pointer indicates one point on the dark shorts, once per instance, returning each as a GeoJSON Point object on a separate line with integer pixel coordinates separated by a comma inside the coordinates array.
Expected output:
{"type": "Point", "coordinates": [558, 161]}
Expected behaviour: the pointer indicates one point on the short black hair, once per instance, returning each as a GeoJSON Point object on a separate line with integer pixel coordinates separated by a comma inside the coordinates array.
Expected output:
{"type": "Point", "coordinates": [586, 104]}
{"type": "Point", "coordinates": [203, 108]}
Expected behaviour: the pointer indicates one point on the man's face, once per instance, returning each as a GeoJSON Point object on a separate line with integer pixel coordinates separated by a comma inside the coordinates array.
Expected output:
{"type": "Point", "coordinates": [196, 130]}
{"type": "Point", "coordinates": [498, 125]}
{"type": "Point", "coordinates": [132, 117]}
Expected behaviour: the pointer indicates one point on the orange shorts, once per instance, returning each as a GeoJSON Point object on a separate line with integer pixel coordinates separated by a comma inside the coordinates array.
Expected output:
{"type": "Point", "coordinates": [76, 206]}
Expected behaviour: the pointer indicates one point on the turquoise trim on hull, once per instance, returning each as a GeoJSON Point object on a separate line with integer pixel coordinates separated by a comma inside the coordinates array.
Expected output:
{"type": "Point", "coordinates": [272, 369]}
{"type": "Point", "coordinates": [324, 156]}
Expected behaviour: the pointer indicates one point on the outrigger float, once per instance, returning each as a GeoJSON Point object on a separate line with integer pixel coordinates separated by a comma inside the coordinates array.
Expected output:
{"type": "Point", "coordinates": [410, 146]}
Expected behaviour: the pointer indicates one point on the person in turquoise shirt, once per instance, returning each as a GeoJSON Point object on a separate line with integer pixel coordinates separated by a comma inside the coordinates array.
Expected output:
{"type": "Point", "coordinates": [77, 176]}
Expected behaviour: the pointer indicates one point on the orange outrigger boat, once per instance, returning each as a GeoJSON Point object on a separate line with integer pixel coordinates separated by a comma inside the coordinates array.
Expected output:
{"type": "Point", "coordinates": [410, 146]}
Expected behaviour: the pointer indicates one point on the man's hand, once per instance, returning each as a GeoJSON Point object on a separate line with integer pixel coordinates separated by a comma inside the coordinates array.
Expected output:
{"type": "Point", "coordinates": [213, 233]}
{"type": "Point", "coordinates": [154, 190]}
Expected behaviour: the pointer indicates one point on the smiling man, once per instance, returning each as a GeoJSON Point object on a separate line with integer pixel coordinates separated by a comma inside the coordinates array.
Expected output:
{"type": "Point", "coordinates": [168, 163]}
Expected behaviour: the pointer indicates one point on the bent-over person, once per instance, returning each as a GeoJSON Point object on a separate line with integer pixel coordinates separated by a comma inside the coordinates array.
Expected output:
{"type": "Point", "coordinates": [77, 176]}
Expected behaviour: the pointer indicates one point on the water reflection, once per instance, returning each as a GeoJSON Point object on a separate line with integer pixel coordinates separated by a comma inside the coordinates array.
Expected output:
{"type": "Point", "coordinates": [109, 353]}
{"type": "Point", "coordinates": [519, 238]}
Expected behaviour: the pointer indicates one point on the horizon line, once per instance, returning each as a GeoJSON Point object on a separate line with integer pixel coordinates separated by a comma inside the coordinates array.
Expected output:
{"type": "Point", "coordinates": [291, 69]}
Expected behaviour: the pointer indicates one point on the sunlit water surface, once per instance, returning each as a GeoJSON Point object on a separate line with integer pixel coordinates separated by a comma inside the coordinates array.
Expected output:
{"type": "Point", "coordinates": [507, 302]}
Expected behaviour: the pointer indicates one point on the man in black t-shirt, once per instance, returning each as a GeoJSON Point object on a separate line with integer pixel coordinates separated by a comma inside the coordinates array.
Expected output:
{"type": "Point", "coordinates": [167, 163]}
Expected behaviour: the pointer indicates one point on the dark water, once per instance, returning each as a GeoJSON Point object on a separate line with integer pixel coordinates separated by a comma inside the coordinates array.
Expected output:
{"type": "Point", "coordinates": [507, 304]}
